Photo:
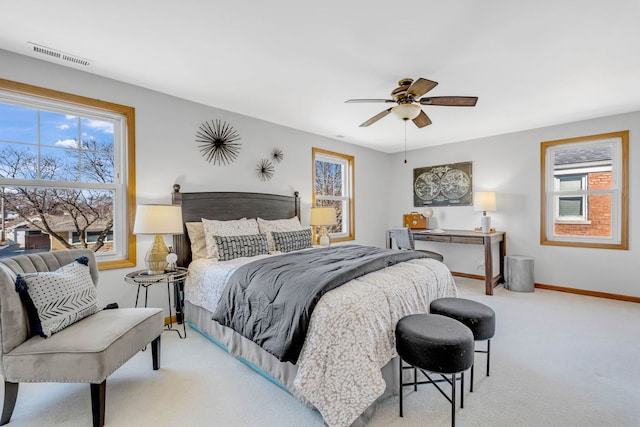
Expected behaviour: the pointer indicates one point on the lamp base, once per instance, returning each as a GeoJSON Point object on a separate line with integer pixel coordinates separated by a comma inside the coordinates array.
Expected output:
{"type": "Point", "coordinates": [324, 240]}
{"type": "Point", "coordinates": [485, 222]}
{"type": "Point", "coordinates": [156, 258]}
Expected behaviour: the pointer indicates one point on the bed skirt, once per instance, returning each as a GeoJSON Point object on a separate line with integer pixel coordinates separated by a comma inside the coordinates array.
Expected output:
{"type": "Point", "coordinates": [280, 373]}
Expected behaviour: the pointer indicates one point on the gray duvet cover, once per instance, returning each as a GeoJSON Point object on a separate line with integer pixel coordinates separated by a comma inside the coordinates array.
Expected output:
{"type": "Point", "coordinates": [270, 301]}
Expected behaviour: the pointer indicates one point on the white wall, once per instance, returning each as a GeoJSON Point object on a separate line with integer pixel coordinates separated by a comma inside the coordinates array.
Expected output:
{"type": "Point", "coordinates": [166, 153]}
{"type": "Point", "coordinates": [510, 166]}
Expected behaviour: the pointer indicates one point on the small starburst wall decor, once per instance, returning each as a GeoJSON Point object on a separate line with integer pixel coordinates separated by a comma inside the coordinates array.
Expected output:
{"type": "Point", "coordinates": [218, 142]}
{"type": "Point", "coordinates": [277, 155]}
{"type": "Point", "coordinates": [265, 170]}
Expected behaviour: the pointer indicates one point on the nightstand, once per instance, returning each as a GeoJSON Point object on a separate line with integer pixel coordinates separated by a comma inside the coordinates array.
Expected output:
{"type": "Point", "coordinates": [143, 279]}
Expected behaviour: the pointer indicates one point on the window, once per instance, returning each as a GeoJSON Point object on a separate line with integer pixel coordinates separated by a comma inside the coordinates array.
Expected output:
{"type": "Point", "coordinates": [585, 197]}
{"type": "Point", "coordinates": [571, 208]}
{"type": "Point", "coordinates": [333, 186]}
{"type": "Point", "coordinates": [67, 174]}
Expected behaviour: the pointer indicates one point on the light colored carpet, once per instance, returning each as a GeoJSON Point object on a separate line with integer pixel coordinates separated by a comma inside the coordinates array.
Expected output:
{"type": "Point", "coordinates": [557, 360]}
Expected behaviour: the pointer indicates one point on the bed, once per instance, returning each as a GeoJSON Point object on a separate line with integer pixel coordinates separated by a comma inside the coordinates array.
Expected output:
{"type": "Point", "coordinates": [347, 363]}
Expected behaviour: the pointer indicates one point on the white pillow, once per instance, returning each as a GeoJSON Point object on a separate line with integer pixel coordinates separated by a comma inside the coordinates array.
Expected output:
{"type": "Point", "coordinates": [236, 227]}
{"type": "Point", "coordinates": [267, 226]}
{"type": "Point", "coordinates": [198, 242]}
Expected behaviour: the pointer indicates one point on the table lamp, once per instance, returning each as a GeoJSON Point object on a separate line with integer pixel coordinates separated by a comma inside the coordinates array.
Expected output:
{"type": "Point", "coordinates": [485, 201]}
{"type": "Point", "coordinates": [158, 220]}
{"type": "Point", "coordinates": [322, 217]}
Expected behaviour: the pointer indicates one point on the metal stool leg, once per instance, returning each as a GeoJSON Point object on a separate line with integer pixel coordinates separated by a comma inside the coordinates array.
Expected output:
{"type": "Point", "coordinates": [453, 400]}
{"type": "Point", "coordinates": [461, 390]}
{"type": "Point", "coordinates": [401, 383]}
{"type": "Point", "coordinates": [471, 386]}
{"type": "Point", "coordinates": [488, 355]}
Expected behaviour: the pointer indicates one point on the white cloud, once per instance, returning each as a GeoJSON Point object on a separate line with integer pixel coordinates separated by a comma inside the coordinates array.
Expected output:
{"type": "Point", "coordinates": [63, 127]}
{"type": "Point", "coordinates": [67, 143]}
{"type": "Point", "coordinates": [69, 117]}
{"type": "Point", "coordinates": [104, 127]}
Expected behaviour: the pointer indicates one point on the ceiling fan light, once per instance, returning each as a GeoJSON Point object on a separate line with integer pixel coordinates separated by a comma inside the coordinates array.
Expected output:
{"type": "Point", "coordinates": [406, 111]}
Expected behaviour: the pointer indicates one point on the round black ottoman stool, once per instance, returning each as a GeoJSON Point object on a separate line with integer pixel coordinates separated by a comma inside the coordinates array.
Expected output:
{"type": "Point", "coordinates": [478, 317]}
{"type": "Point", "coordinates": [434, 344]}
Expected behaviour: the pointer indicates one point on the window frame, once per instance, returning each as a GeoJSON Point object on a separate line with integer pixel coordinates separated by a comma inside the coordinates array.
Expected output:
{"type": "Point", "coordinates": [48, 98]}
{"type": "Point", "coordinates": [619, 193]}
{"type": "Point", "coordinates": [348, 190]}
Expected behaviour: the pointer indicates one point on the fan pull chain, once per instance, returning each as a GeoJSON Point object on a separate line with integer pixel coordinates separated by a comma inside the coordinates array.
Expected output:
{"type": "Point", "coordinates": [405, 141]}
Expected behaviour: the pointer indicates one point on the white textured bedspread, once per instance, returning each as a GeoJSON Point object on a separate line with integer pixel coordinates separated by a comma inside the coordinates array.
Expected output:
{"type": "Point", "coordinates": [351, 333]}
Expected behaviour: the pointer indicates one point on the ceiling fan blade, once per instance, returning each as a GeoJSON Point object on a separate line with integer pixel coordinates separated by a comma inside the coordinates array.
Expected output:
{"type": "Point", "coordinates": [422, 120]}
{"type": "Point", "coordinates": [452, 101]}
{"type": "Point", "coordinates": [420, 87]}
{"type": "Point", "coordinates": [375, 118]}
{"type": "Point", "coordinates": [368, 100]}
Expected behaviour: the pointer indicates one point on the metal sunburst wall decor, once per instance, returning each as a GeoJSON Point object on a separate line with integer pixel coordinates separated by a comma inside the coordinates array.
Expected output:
{"type": "Point", "coordinates": [265, 170]}
{"type": "Point", "coordinates": [218, 142]}
{"type": "Point", "coordinates": [277, 155]}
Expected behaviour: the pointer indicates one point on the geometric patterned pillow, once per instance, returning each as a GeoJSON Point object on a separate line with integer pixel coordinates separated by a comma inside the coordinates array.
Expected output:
{"type": "Point", "coordinates": [234, 227]}
{"type": "Point", "coordinates": [269, 226]}
{"type": "Point", "coordinates": [287, 241]}
{"type": "Point", "coordinates": [231, 247]}
{"type": "Point", "coordinates": [57, 299]}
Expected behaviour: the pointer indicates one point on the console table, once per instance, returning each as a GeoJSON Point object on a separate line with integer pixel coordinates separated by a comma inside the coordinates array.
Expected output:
{"type": "Point", "coordinates": [473, 238]}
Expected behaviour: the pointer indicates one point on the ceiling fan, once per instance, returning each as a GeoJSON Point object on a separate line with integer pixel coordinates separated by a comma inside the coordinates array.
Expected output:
{"type": "Point", "coordinates": [409, 97]}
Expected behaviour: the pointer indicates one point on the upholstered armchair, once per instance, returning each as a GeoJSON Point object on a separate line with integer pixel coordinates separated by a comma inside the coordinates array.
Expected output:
{"type": "Point", "coordinates": [85, 350]}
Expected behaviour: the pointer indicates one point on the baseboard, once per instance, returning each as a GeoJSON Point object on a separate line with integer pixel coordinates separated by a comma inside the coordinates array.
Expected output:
{"type": "Point", "coordinates": [468, 276]}
{"type": "Point", "coordinates": [585, 292]}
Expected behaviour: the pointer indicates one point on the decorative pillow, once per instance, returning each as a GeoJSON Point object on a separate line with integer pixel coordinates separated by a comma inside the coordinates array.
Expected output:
{"type": "Point", "coordinates": [198, 242]}
{"type": "Point", "coordinates": [237, 227]}
{"type": "Point", "coordinates": [57, 299]}
{"type": "Point", "coordinates": [267, 226]}
{"type": "Point", "coordinates": [287, 241]}
{"type": "Point", "coordinates": [231, 247]}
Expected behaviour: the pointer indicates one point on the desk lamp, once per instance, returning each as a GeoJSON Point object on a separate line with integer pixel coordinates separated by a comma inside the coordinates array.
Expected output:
{"type": "Point", "coordinates": [485, 201]}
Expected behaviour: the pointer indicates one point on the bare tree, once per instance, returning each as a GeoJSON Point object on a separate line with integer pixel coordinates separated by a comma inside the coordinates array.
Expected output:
{"type": "Point", "coordinates": [43, 207]}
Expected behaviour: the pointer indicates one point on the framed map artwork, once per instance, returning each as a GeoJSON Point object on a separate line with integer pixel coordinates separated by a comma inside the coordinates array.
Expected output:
{"type": "Point", "coordinates": [444, 185]}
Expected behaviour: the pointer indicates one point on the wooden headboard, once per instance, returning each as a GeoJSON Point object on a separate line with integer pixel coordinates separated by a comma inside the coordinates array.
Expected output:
{"type": "Point", "coordinates": [225, 206]}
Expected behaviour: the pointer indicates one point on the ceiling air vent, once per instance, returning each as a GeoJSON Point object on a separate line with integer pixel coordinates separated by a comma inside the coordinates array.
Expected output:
{"type": "Point", "coordinates": [43, 50]}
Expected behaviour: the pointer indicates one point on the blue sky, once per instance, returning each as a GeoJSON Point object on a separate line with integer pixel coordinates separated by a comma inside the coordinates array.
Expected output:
{"type": "Point", "coordinates": [20, 124]}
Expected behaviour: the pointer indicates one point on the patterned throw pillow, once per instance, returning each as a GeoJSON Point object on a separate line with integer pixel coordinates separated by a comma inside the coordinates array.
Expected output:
{"type": "Point", "coordinates": [57, 299]}
{"type": "Point", "coordinates": [287, 241]}
{"type": "Point", "coordinates": [237, 227]}
{"type": "Point", "coordinates": [231, 247]}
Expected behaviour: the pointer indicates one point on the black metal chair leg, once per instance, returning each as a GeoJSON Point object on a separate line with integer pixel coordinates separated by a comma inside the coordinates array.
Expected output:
{"type": "Point", "coordinates": [155, 353]}
{"type": "Point", "coordinates": [471, 386]}
{"type": "Point", "coordinates": [10, 396]}
{"type": "Point", "coordinates": [98, 396]}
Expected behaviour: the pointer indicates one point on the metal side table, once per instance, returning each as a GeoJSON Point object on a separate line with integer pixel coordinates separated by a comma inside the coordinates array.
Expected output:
{"type": "Point", "coordinates": [176, 278]}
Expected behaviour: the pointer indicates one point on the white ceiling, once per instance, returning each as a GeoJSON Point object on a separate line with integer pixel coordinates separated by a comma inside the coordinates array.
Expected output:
{"type": "Point", "coordinates": [531, 63]}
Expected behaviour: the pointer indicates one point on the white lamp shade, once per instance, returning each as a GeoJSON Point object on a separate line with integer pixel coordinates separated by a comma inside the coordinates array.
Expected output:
{"type": "Point", "coordinates": [323, 216]}
{"type": "Point", "coordinates": [158, 219]}
{"type": "Point", "coordinates": [484, 201]}
{"type": "Point", "coordinates": [406, 111]}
